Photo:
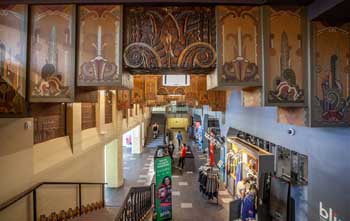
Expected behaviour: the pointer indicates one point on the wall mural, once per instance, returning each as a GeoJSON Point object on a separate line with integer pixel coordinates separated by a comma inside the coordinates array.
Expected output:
{"type": "Point", "coordinates": [292, 115]}
{"type": "Point", "coordinates": [99, 45]}
{"type": "Point", "coordinates": [123, 99]}
{"type": "Point", "coordinates": [138, 91]}
{"type": "Point", "coordinates": [13, 45]}
{"type": "Point", "coordinates": [169, 39]}
{"type": "Point", "coordinates": [49, 121]}
{"type": "Point", "coordinates": [238, 45]}
{"type": "Point", "coordinates": [86, 95]}
{"type": "Point", "coordinates": [217, 100]}
{"type": "Point", "coordinates": [331, 89]}
{"type": "Point", "coordinates": [285, 77]}
{"type": "Point", "coordinates": [202, 92]}
{"type": "Point", "coordinates": [52, 53]}
{"type": "Point", "coordinates": [151, 87]}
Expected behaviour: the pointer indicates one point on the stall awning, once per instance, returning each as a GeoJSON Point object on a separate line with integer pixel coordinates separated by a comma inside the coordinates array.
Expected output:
{"type": "Point", "coordinates": [232, 132]}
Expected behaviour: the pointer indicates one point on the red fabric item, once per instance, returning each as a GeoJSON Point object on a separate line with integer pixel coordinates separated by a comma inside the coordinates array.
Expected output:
{"type": "Point", "coordinates": [183, 151]}
{"type": "Point", "coordinates": [211, 154]}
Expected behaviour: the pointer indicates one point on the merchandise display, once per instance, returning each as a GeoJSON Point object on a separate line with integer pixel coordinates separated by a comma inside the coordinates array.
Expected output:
{"type": "Point", "coordinates": [208, 182]}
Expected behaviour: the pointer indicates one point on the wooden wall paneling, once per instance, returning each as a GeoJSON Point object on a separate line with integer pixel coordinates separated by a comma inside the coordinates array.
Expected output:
{"type": "Point", "coordinates": [13, 51]}
{"type": "Point", "coordinates": [330, 94]}
{"type": "Point", "coordinates": [169, 39]}
{"type": "Point", "coordinates": [52, 53]}
{"type": "Point", "coordinates": [202, 91]}
{"type": "Point", "coordinates": [100, 46]}
{"type": "Point", "coordinates": [217, 100]}
{"type": "Point", "coordinates": [138, 91]}
{"type": "Point", "coordinates": [86, 95]}
{"type": "Point", "coordinates": [88, 115]}
{"type": "Point", "coordinates": [285, 57]}
{"type": "Point", "coordinates": [239, 46]}
{"type": "Point", "coordinates": [49, 121]}
{"type": "Point", "coordinates": [108, 107]}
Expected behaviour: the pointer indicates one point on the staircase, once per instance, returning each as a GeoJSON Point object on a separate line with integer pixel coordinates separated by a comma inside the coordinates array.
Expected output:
{"type": "Point", "coordinates": [105, 214]}
{"type": "Point", "coordinates": [153, 143]}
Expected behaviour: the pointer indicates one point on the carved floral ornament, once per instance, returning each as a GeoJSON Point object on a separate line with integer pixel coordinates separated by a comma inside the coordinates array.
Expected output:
{"type": "Point", "coordinates": [169, 39]}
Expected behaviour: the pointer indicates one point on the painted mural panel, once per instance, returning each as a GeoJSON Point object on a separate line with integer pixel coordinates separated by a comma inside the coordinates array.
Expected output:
{"type": "Point", "coordinates": [331, 80]}
{"type": "Point", "coordinates": [151, 87]}
{"type": "Point", "coordinates": [49, 121]}
{"type": "Point", "coordinates": [202, 92]}
{"type": "Point", "coordinates": [99, 45]}
{"type": "Point", "coordinates": [238, 46]}
{"type": "Point", "coordinates": [138, 91]}
{"type": "Point", "coordinates": [52, 53]}
{"type": "Point", "coordinates": [123, 99]}
{"type": "Point", "coordinates": [292, 115]}
{"type": "Point", "coordinates": [159, 39]}
{"type": "Point", "coordinates": [251, 97]}
{"type": "Point", "coordinates": [13, 45]}
{"type": "Point", "coordinates": [285, 74]}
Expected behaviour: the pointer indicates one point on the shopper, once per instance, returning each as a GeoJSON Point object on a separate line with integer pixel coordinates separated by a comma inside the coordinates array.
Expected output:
{"type": "Point", "coordinates": [179, 138]}
{"type": "Point", "coordinates": [182, 156]}
{"type": "Point", "coordinates": [248, 205]}
{"type": "Point", "coordinates": [171, 148]}
{"type": "Point", "coordinates": [241, 188]}
{"type": "Point", "coordinates": [155, 130]}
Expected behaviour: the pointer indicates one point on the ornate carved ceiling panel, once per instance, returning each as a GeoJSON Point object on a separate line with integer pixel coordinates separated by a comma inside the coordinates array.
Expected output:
{"type": "Point", "coordinates": [331, 76]}
{"type": "Point", "coordinates": [286, 73]}
{"type": "Point", "coordinates": [159, 39]}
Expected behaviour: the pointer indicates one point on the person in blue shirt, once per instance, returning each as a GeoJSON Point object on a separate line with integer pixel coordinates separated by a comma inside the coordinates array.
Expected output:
{"type": "Point", "coordinates": [179, 138]}
{"type": "Point", "coordinates": [248, 205]}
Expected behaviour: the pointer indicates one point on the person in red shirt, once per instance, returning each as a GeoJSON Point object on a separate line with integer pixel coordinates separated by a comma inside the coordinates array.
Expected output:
{"type": "Point", "coordinates": [182, 156]}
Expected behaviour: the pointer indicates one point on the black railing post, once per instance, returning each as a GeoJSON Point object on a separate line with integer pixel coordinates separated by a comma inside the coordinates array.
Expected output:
{"type": "Point", "coordinates": [34, 206]}
{"type": "Point", "coordinates": [79, 198]}
{"type": "Point", "coordinates": [103, 195]}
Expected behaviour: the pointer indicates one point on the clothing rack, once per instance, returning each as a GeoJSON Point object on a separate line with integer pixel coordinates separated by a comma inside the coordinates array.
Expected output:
{"type": "Point", "coordinates": [209, 182]}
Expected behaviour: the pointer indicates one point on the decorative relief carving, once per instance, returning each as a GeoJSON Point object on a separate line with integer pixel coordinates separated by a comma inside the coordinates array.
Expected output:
{"type": "Point", "coordinates": [217, 100]}
{"type": "Point", "coordinates": [238, 31]}
{"type": "Point", "coordinates": [151, 88]}
{"type": "Point", "coordinates": [88, 115]}
{"type": "Point", "coordinates": [138, 91]}
{"type": "Point", "coordinates": [285, 67]}
{"type": "Point", "coordinates": [13, 38]}
{"type": "Point", "coordinates": [169, 39]}
{"type": "Point", "coordinates": [99, 45]}
{"type": "Point", "coordinates": [123, 99]}
{"type": "Point", "coordinates": [49, 121]}
{"type": "Point", "coordinates": [52, 53]}
{"type": "Point", "coordinates": [331, 86]}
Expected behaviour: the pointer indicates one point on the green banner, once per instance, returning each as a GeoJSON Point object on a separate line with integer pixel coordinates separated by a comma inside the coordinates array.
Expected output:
{"type": "Point", "coordinates": [162, 169]}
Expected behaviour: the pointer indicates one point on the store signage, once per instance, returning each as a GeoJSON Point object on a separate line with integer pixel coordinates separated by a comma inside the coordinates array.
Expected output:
{"type": "Point", "coordinates": [328, 214]}
{"type": "Point", "coordinates": [213, 139]}
{"type": "Point", "coordinates": [162, 168]}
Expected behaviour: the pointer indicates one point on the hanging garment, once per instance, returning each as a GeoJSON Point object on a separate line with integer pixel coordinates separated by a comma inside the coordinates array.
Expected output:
{"type": "Point", "coordinates": [248, 208]}
{"type": "Point", "coordinates": [238, 172]}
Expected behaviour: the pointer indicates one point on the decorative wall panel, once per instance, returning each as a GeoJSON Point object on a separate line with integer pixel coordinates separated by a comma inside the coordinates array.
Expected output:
{"type": "Point", "coordinates": [123, 99]}
{"type": "Point", "coordinates": [217, 100]}
{"type": "Point", "coordinates": [52, 53]}
{"type": "Point", "coordinates": [286, 72]}
{"type": "Point", "coordinates": [86, 95]}
{"type": "Point", "coordinates": [151, 87]}
{"type": "Point", "coordinates": [49, 121]}
{"type": "Point", "coordinates": [330, 98]}
{"type": "Point", "coordinates": [169, 90]}
{"type": "Point", "coordinates": [251, 97]}
{"type": "Point", "coordinates": [13, 45]}
{"type": "Point", "coordinates": [202, 92]}
{"type": "Point", "coordinates": [108, 107]}
{"type": "Point", "coordinates": [88, 115]}
{"type": "Point", "coordinates": [138, 91]}
{"type": "Point", "coordinates": [239, 46]}
{"type": "Point", "coordinates": [160, 39]}
{"type": "Point", "coordinates": [100, 45]}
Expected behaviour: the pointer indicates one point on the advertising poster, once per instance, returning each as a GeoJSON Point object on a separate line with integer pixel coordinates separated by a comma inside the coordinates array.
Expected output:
{"type": "Point", "coordinates": [163, 187]}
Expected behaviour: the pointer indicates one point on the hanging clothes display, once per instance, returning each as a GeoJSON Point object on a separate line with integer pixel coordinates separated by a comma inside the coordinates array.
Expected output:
{"type": "Point", "coordinates": [208, 182]}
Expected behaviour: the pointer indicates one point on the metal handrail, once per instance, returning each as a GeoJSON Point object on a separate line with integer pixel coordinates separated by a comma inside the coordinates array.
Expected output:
{"type": "Point", "coordinates": [137, 203]}
{"type": "Point", "coordinates": [33, 189]}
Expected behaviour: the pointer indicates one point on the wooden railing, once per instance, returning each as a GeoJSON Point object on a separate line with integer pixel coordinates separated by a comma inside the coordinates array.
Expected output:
{"type": "Point", "coordinates": [138, 203]}
{"type": "Point", "coordinates": [33, 190]}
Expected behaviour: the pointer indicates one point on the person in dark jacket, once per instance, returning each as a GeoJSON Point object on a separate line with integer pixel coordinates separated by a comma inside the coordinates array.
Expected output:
{"type": "Point", "coordinates": [248, 205]}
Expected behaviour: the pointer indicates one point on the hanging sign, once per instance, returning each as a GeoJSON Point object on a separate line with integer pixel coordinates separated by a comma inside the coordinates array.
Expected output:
{"type": "Point", "coordinates": [162, 168]}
